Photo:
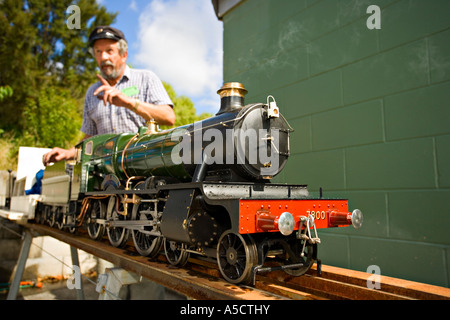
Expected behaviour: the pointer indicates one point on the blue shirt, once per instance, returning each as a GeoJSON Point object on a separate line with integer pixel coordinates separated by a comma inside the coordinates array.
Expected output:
{"type": "Point", "coordinates": [101, 119]}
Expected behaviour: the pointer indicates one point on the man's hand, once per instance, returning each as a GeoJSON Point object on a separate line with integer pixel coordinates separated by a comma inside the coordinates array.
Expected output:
{"type": "Point", "coordinates": [58, 154]}
{"type": "Point", "coordinates": [111, 94]}
{"type": "Point", "coordinates": [162, 114]}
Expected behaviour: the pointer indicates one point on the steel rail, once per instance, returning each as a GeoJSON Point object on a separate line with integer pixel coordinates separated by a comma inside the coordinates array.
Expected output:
{"type": "Point", "coordinates": [389, 285]}
{"type": "Point", "coordinates": [201, 279]}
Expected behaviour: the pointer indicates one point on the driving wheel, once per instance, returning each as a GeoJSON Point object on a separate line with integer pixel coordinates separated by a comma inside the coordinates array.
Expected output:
{"type": "Point", "coordinates": [97, 210]}
{"type": "Point", "coordinates": [118, 236]}
{"type": "Point", "coordinates": [146, 241]}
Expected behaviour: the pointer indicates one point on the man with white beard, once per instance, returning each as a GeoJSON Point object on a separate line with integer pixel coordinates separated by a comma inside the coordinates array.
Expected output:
{"type": "Point", "coordinates": [123, 99]}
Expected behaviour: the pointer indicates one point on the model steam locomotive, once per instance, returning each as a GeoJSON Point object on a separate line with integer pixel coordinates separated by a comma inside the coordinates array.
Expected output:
{"type": "Point", "coordinates": [200, 189]}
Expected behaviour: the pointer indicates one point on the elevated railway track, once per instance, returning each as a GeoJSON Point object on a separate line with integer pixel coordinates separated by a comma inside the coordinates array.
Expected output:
{"type": "Point", "coordinates": [201, 279]}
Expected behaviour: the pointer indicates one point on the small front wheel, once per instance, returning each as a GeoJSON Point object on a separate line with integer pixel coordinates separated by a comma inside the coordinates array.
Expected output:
{"type": "Point", "coordinates": [236, 256]}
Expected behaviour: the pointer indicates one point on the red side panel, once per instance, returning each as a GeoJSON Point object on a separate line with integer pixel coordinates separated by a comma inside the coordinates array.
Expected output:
{"type": "Point", "coordinates": [259, 215]}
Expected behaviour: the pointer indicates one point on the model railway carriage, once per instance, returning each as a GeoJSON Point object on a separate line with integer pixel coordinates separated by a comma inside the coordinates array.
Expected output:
{"type": "Point", "coordinates": [200, 189]}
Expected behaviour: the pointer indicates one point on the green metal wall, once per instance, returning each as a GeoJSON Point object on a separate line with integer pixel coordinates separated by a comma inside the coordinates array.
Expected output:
{"type": "Point", "coordinates": [371, 112]}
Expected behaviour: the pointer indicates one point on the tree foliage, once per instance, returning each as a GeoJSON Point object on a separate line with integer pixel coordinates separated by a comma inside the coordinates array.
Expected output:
{"type": "Point", "coordinates": [5, 92]}
{"type": "Point", "coordinates": [38, 51]}
{"type": "Point", "coordinates": [45, 125]}
{"type": "Point", "coordinates": [45, 70]}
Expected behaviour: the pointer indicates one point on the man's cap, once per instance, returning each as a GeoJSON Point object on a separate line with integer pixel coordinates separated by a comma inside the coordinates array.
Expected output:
{"type": "Point", "coordinates": [105, 32]}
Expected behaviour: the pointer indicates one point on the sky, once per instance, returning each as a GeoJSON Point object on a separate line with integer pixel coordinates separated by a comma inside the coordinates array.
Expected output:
{"type": "Point", "coordinates": [179, 40]}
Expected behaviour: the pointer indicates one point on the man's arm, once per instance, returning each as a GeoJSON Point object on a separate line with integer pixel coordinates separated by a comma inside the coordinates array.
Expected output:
{"type": "Point", "coordinates": [59, 154]}
{"type": "Point", "coordinates": [162, 114]}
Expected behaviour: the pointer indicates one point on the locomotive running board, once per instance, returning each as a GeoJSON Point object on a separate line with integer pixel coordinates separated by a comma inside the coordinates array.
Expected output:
{"type": "Point", "coordinates": [225, 190]}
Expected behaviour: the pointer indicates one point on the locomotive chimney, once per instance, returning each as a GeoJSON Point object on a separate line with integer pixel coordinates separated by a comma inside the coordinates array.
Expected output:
{"type": "Point", "coordinates": [231, 97]}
